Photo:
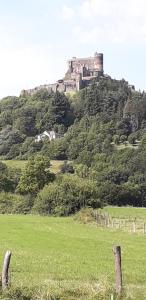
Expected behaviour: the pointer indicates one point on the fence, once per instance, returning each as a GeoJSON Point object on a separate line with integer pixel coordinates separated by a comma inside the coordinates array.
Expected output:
{"type": "Point", "coordinates": [133, 225]}
{"type": "Point", "coordinates": [118, 271]}
{"type": "Point", "coordinates": [119, 287]}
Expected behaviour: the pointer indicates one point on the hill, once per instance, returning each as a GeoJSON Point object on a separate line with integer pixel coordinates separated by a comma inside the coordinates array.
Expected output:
{"type": "Point", "coordinates": [100, 159]}
{"type": "Point", "coordinates": [100, 133]}
{"type": "Point", "coordinates": [108, 108]}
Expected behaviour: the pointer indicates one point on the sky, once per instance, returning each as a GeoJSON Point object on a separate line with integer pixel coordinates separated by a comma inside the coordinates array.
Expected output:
{"type": "Point", "coordinates": [37, 37]}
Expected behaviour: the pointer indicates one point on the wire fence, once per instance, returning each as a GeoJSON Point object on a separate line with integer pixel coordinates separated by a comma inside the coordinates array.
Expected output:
{"type": "Point", "coordinates": [133, 225]}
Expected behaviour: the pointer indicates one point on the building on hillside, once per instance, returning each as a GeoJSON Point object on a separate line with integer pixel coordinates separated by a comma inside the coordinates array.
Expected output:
{"type": "Point", "coordinates": [81, 72]}
{"type": "Point", "coordinates": [51, 135]}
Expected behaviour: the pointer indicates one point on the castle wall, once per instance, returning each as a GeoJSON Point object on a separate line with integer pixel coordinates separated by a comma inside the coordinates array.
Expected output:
{"type": "Point", "coordinates": [81, 72]}
{"type": "Point", "coordinates": [86, 66]}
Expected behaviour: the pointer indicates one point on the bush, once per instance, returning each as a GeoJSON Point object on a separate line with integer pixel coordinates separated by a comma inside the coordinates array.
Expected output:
{"type": "Point", "coordinates": [116, 139]}
{"type": "Point", "coordinates": [8, 178]}
{"type": "Point", "coordinates": [14, 204]}
{"type": "Point", "coordinates": [124, 194]}
{"type": "Point", "coordinates": [67, 195]}
{"type": "Point", "coordinates": [85, 215]}
{"type": "Point", "coordinates": [123, 138]}
{"type": "Point", "coordinates": [66, 168]}
{"type": "Point", "coordinates": [35, 175]}
{"type": "Point", "coordinates": [132, 138]}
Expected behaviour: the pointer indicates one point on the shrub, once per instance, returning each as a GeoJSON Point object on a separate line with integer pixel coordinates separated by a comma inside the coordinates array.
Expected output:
{"type": "Point", "coordinates": [67, 195]}
{"type": "Point", "coordinates": [14, 204]}
{"type": "Point", "coordinates": [132, 138]}
{"type": "Point", "coordinates": [35, 175]}
{"type": "Point", "coordinates": [66, 168]}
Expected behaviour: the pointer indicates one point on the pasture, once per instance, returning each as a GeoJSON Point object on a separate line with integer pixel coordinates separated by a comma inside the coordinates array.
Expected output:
{"type": "Point", "coordinates": [126, 212]}
{"type": "Point", "coordinates": [20, 164]}
{"type": "Point", "coordinates": [69, 258]}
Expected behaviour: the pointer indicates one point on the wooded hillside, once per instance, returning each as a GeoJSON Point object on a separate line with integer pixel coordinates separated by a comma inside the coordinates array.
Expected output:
{"type": "Point", "coordinates": [101, 135]}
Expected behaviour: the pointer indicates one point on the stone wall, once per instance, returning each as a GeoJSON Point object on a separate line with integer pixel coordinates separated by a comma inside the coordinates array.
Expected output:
{"type": "Point", "coordinates": [90, 66]}
{"type": "Point", "coordinates": [81, 72]}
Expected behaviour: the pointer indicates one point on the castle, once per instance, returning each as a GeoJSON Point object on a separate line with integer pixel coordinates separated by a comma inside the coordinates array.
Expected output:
{"type": "Point", "coordinates": [80, 73]}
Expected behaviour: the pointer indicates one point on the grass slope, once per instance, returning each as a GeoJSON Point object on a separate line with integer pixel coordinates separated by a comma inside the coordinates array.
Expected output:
{"type": "Point", "coordinates": [63, 254]}
{"type": "Point", "coordinates": [55, 164]}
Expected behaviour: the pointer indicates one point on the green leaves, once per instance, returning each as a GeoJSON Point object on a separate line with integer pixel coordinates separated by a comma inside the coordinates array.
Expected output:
{"type": "Point", "coordinates": [35, 175]}
{"type": "Point", "coordinates": [67, 195]}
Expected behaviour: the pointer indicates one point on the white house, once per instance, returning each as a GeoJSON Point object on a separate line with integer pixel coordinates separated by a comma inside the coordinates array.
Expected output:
{"type": "Point", "coordinates": [51, 135]}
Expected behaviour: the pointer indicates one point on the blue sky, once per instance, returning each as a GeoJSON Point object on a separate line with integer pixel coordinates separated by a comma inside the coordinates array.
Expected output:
{"type": "Point", "coordinates": [38, 36]}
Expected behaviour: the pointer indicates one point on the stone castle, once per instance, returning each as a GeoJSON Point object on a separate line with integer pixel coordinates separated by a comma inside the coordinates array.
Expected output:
{"type": "Point", "coordinates": [80, 73]}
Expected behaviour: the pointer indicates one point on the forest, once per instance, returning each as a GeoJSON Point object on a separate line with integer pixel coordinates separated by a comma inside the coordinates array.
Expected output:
{"type": "Point", "coordinates": [101, 142]}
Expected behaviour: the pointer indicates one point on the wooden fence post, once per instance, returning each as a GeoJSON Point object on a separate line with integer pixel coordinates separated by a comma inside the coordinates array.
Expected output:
{"type": "Point", "coordinates": [144, 228]}
{"type": "Point", "coordinates": [5, 270]}
{"type": "Point", "coordinates": [118, 269]}
{"type": "Point", "coordinates": [125, 224]}
{"type": "Point", "coordinates": [134, 226]}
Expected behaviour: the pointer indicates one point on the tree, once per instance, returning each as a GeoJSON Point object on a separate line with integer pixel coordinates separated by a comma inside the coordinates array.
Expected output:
{"type": "Point", "coordinates": [67, 195]}
{"type": "Point", "coordinates": [66, 168]}
{"type": "Point", "coordinates": [14, 204]}
{"type": "Point", "coordinates": [116, 139]}
{"type": "Point", "coordinates": [8, 178]}
{"type": "Point", "coordinates": [123, 138]}
{"type": "Point", "coordinates": [132, 138]}
{"type": "Point", "coordinates": [35, 175]}
{"type": "Point", "coordinates": [26, 121]}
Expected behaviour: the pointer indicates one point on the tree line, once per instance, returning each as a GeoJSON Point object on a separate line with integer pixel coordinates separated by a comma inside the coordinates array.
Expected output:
{"type": "Point", "coordinates": [103, 142]}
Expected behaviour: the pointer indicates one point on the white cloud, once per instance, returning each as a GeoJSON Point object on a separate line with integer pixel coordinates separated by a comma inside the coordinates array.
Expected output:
{"type": "Point", "coordinates": [112, 21]}
{"type": "Point", "coordinates": [92, 8]}
{"type": "Point", "coordinates": [67, 12]}
{"type": "Point", "coordinates": [131, 8]}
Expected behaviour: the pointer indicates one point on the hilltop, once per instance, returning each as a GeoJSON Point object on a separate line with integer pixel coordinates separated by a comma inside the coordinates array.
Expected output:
{"type": "Point", "coordinates": [100, 130]}
{"type": "Point", "coordinates": [80, 74]}
{"type": "Point", "coordinates": [106, 103]}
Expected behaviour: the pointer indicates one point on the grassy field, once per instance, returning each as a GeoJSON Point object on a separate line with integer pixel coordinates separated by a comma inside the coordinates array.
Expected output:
{"type": "Point", "coordinates": [126, 212]}
{"type": "Point", "coordinates": [55, 164]}
{"type": "Point", "coordinates": [69, 258]}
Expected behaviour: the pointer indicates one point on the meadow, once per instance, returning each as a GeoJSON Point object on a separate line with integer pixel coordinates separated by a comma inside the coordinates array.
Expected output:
{"type": "Point", "coordinates": [20, 164]}
{"type": "Point", "coordinates": [71, 260]}
{"type": "Point", "coordinates": [126, 212]}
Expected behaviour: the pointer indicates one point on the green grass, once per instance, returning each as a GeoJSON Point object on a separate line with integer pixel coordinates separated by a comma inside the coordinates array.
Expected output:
{"type": "Point", "coordinates": [55, 164]}
{"type": "Point", "coordinates": [16, 164]}
{"type": "Point", "coordinates": [63, 254]}
{"type": "Point", "coordinates": [126, 212]}
{"type": "Point", "coordinates": [123, 146]}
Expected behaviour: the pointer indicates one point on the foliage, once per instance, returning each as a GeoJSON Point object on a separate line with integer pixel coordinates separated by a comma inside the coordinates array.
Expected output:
{"type": "Point", "coordinates": [24, 117]}
{"type": "Point", "coordinates": [66, 196]}
{"type": "Point", "coordinates": [66, 168]}
{"type": "Point", "coordinates": [35, 175]}
{"type": "Point", "coordinates": [14, 204]}
{"type": "Point", "coordinates": [101, 130]}
{"type": "Point", "coordinates": [8, 178]}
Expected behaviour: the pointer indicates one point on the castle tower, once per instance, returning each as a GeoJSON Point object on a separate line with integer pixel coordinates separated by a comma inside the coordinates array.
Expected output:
{"type": "Point", "coordinates": [98, 62]}
{"type": "Point", "coordinates": [78, 82]}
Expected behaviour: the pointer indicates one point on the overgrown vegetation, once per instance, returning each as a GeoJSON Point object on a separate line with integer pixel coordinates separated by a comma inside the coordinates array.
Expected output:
{"type": "Point", "coordinates": [101, 139]}
{"type": "Point", "coordinates": [100, 158]}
